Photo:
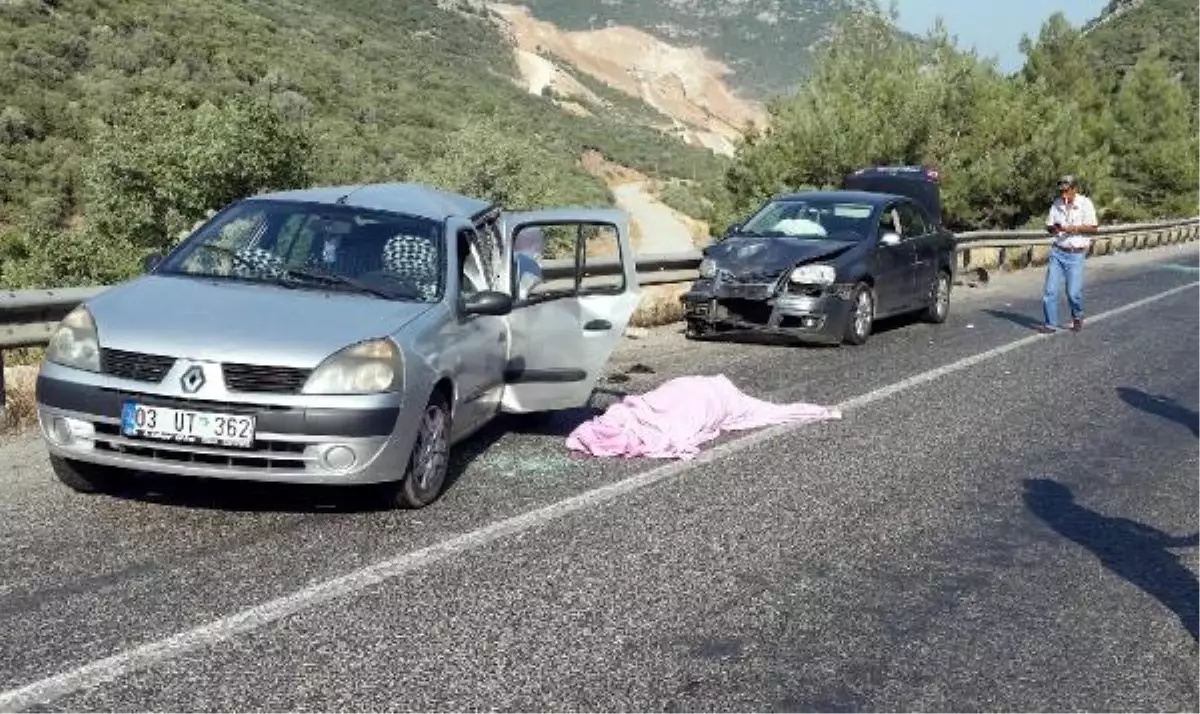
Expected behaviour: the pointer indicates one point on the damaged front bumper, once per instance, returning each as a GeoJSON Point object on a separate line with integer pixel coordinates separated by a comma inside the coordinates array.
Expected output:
{"type": "Point", "coordinates": [807, 312]}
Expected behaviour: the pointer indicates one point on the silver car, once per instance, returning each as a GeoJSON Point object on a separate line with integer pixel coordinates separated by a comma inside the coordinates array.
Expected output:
{"type": "Point", "coordinates": [340, 335]}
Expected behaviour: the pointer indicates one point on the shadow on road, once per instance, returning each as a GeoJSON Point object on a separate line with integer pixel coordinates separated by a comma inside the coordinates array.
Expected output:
{"type": "Point", "coordinates": [1015, 318]}
{"type": "Point", "coordinates": [1135, 551]}
{"type": "Point", "coordinates": [1164, 407]}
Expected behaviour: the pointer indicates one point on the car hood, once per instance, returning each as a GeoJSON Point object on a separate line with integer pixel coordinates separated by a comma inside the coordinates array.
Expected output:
{"type": "Point", "coordinates": [770, 255]}
{"type": "Point", "coordinates": [248, 323]}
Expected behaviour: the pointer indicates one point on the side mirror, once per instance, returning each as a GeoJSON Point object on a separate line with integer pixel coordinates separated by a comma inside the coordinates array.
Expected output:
{"type": "Point", "coordinates": [152, 261]}
{"type": "Point", "coordinates": [890, 239]}
{"type": "Point", "coordinates": [488, 302]}
{"type": "Point", "coordinates": [733, 228]}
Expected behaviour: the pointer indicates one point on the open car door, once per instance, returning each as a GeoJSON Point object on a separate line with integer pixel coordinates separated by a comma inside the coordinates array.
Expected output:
{"type": "Point", "coordinates": [573, 277]}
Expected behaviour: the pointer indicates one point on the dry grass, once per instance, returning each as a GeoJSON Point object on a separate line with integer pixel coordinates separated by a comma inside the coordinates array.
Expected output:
{"type": "Point", "coordinates": [20, 411]}
{"type": "Point", "coordinates": [659, 305]}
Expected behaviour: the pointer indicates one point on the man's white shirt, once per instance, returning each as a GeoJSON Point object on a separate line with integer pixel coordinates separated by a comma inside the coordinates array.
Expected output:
{"type": "Point", "coordinates": [1081, 212]}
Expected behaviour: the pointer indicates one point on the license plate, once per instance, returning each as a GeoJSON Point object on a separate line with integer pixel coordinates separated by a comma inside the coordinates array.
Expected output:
{"type": "Point", "coordinates": [186, 426]}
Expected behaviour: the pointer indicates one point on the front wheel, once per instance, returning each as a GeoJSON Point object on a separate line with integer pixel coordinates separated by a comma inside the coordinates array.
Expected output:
{"type": "Point", "coordinates": [862, 315]}
{"type": "Point", "coordinates": [939, 299]}
{"type": "Point", "coordinates": [83, 477]}
{"type": "Point", "coordinates": [429, 462]}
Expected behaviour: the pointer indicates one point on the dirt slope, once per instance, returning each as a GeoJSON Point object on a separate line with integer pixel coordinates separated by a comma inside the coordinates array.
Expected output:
{"type": "Point", "coordinates": [683, 84]}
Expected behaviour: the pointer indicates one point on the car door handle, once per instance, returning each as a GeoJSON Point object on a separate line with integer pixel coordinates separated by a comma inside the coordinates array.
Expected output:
{"type": "Point", "coordinates": [596, 325]}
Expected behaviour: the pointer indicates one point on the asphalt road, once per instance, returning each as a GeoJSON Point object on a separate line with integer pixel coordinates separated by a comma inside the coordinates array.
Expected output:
{"type": "Point", "coordinates": [1003, 522]}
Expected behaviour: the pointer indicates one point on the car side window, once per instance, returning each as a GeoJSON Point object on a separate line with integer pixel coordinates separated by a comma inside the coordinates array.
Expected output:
{"type": "Point", "coordinates": [581, 259]}
{"type": "Point", "coordinates": [889, 222]}
{"type": "Point", "coordinates": [911, 221]}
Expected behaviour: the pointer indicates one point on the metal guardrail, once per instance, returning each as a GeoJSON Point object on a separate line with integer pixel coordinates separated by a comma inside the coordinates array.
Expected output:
{"type": "Point", "coordinates": [28, 317]}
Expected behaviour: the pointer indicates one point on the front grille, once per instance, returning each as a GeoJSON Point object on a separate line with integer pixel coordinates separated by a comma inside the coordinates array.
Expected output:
{"type": "Point", "coordinates": [267, 455]}
{"type": "Point", "coordinates": [750, 311]}
{"type": "Point", "coordinates": [136, 366]}
{"type": "Point", "coordinates": [750, 277]}
{"type": "Point", "coordinates": [259, 378]}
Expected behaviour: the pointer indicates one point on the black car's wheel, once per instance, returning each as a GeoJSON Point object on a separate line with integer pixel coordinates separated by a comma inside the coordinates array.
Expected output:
{"type": "Point", "coordinates": [695, 330]}
{"type": "Point", "coordinates": [82, 477]}
{"type": "Point", "coordinates": [429, 462]}
{"type": "Point", "coordinates": [862, 315]}
{"type": "Point", "coordinates": [939, 299]}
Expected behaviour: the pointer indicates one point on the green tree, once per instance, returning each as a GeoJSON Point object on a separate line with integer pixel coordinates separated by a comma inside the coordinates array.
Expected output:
{"type": "Point", "coordinates": [1156, 143]}
{"type": "Point", "coordinates": [482, 159]}
{"type": "Point", "coordinates": [160, 165]}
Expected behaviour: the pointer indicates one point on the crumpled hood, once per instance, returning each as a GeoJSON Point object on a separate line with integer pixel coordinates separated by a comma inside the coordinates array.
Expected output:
{"type": "Point", "coordinates": [770, 255]}
{"type": "Point", "coordinates": [241, 322]}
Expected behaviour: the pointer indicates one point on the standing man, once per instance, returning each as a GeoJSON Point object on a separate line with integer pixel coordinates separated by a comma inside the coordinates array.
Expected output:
{"type": "Point", "coordinates": [1072, 218]}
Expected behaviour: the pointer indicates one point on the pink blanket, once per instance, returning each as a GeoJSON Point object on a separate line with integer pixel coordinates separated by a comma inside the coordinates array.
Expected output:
{"type": "Point", "coordinates": [673, 420]}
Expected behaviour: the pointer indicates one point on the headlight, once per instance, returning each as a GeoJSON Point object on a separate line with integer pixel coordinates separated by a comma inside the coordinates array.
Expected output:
{"type": "Point", "coordinates": [707, 268]}
{"type": "Point", "coordinates": [365, 368]}
{"type": "Point", "coordinates": [814, 275]}
{"type": "Point", "coordinates": [75, 342]}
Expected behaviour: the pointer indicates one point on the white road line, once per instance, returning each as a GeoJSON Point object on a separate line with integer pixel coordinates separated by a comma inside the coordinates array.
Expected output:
{"type": "Point", "coordinates": [152, 653]}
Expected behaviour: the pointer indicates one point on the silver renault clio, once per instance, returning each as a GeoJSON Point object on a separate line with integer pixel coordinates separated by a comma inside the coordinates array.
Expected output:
{"type": "Point", "coordinates": [337, 335]}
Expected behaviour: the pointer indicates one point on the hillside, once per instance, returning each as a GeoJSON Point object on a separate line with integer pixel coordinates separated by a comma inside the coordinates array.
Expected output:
{"type": "Point", "coordinates": [622, 70]}
{"type": "Point", "coordinates": [767, 44]}
{"type": "Point", "coordinates": [1127, 28]}
{"type": "Point", "coordinates": [375, 87]}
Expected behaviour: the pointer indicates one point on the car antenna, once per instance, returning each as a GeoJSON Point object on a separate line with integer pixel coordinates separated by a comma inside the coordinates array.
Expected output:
{"type": "Point", "coordinates": [341, 200]}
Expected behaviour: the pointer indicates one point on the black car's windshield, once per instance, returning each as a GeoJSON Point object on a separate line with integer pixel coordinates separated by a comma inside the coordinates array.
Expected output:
{"type": "Point", "coordinates": [813, 219]}
{"type": "Point", "coordinates": [320, 246]}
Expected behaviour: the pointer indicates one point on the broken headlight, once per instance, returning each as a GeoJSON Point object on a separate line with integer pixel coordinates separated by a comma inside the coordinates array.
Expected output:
{"type": "Point", "coordinates": [813, 275]}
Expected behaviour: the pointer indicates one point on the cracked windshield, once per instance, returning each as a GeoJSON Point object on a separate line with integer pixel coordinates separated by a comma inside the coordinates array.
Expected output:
{"type": "Point", "coordinates": [814, 219]}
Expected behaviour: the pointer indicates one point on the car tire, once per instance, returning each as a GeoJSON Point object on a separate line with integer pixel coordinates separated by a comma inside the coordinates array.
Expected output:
{"type": "Point", "coordinates": [939, 299]}
{"type": "Point", "coordinates": [858, 331]}
{"type": "Point", "coordinates": [694, 330]}
{"type": "Point", "coordinates": [429, 463]}
{"type": "Point", "coordinates": [83, 477]}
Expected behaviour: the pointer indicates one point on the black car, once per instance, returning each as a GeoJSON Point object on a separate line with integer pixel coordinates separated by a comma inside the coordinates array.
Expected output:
{"type": "Point", "coordinates": [822, 266]}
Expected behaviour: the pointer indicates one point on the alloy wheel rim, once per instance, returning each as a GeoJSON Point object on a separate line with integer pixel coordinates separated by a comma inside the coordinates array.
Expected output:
{"type": "Point", "coordinates": [862, 314]}
{"type": "Point", "coordinates": [943, 295]}
{"type": "Point", "coordinates": [431, 449]}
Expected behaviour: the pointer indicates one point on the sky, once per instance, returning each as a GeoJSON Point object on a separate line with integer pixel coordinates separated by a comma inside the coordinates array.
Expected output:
{"type": "Point", "coordinates": [993, 27]}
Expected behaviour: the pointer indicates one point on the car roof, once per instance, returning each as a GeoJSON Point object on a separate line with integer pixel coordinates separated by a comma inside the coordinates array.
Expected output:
{"type": "Point", "coordinates": [908, 171]}
{"type": "Point", "coordinates": [413, 199]}
{"type": "Point", "coordinates": [868, 197]}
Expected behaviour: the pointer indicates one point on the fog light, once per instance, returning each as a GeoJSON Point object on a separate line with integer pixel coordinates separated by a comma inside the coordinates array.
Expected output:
{"type": "Point", "coordinates": [65, 431]}
{"type": "Point", "coordinates": [60, 431]}
{"type": "Point", "coordinates": [339, 458]}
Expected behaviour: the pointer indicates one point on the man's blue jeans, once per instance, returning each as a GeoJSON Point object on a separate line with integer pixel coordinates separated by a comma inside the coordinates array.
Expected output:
{"type": "Point", "coordinates": [1068, 266]}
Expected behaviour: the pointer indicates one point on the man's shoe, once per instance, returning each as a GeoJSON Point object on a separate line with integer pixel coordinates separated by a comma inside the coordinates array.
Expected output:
{"type": "Point", "coordinates": [1077, 324]}
{"type": "Point", "coordinates": [1044, 329]}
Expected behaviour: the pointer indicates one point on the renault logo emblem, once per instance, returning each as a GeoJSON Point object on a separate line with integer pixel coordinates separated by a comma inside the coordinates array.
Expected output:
{"type": "Point", "coordinates": [192, 380]}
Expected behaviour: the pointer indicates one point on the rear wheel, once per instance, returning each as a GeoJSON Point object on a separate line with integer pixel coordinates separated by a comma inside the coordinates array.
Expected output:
{"type": "Point", "coordinates": [939, 299]}
{"type": "Point", "coordinates": [425, 476]}
{"type": "Point", "coordinates": [862, 315]}
{"type": "Point", "coordinates": [83, 477]}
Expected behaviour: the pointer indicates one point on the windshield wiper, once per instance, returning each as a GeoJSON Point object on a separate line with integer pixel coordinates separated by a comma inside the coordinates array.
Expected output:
{"type": "Point", "coordinates": [335, 279]}
{"type": "Point", "coordinates": [298, 273]}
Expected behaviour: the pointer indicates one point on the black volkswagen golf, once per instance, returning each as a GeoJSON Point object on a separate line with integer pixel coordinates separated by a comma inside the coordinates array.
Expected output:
{"type": "Point", "coordinates": [822, 266]}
